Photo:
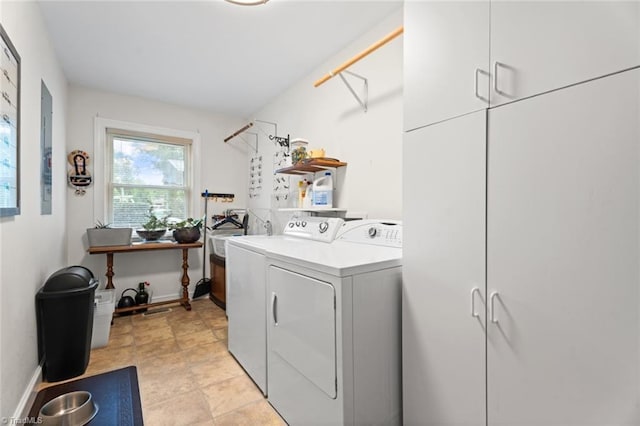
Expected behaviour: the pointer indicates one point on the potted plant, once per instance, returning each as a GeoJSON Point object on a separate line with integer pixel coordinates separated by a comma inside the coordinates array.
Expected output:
{"type": "Point", "coordinates": [102, 234]}
{"type": "Point", "coordinates": [154, 228]}
{"type": "Point", "coordinates": [187, 231]}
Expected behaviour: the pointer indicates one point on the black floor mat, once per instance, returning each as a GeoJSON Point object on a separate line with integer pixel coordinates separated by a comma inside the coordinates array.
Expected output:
{"type": "Point", "coordinates": [116, 393]}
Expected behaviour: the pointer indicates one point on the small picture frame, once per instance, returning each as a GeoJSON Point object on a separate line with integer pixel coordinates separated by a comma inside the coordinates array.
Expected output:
{"type": "Point", "coordinates": [9, 127]}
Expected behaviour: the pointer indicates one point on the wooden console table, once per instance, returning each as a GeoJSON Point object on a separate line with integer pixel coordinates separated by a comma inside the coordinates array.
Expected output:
{"type": "Point", "coordinates": [110, 250]}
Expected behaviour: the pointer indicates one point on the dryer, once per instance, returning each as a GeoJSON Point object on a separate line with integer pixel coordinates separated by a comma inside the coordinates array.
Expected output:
{"type": "Point", "coordinates": [334, 327]}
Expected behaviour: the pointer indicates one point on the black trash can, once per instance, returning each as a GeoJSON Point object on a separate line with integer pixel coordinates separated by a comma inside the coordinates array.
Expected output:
{"type": "Point", "coordinates": [64, 311]}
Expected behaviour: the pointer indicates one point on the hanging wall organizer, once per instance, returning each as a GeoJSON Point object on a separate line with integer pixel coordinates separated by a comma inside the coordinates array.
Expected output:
{"type": "Point", "coordinates": [364, 100]}
{"type": "Point", "coordinates": [281, 158]}
{"type": "Point", "coordinates": [216, 196]}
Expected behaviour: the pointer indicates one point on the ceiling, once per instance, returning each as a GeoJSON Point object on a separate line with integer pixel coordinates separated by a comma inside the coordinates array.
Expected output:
{"type": "Point", "coordinates": [212, 55]}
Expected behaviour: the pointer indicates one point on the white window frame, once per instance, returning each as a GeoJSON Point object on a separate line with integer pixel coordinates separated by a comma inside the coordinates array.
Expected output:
{"type": "Point", "coordinates": [102, 164]}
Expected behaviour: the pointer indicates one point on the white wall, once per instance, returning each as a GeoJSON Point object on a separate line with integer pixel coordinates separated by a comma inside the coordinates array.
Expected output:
{"type": "Point", "coordinates": [32, 245]}
{"type": "Point", "coordinates": [329, 117]}
{"type": "Point", "coordinates": [221, 168]}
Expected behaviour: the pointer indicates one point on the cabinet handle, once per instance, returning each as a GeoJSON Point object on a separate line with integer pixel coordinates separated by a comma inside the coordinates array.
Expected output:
{"type": "Point", "coordinates": [473, 302]}
{"type": "Point", "coordinates": [274, 306]}
{"type": "Point", "coordinates": [497, 65]}
{"type": "Point", "coordinates": [475, 85]}
{"type": "Point", "coordinates": [493, 306]}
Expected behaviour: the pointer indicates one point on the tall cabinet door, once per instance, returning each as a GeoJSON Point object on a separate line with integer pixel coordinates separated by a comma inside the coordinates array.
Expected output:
{"type": "Point", "coordinates": [563, 256]}
{"type": "Point", "coordinates": [443, 305]}
{"type": "Point", "coordinates": [446, 65]}
{"type": "Point", "coordinates": [543, 45]}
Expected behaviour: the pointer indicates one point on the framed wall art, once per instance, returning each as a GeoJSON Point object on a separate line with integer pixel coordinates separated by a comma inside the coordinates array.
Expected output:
{"type": "Point", "coordinates": [9, 127]}
{"type": "Point", "coordinates": [46, 145]}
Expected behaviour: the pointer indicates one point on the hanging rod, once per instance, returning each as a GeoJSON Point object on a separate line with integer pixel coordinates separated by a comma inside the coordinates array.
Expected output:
{"type": "Point", "coordinates": [243, 129]}
{"type": "Point", "coordinates": [360, 55]}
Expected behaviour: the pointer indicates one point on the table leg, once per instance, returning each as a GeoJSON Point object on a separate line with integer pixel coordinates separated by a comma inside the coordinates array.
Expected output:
{"type": "Point", "coordinates": [185, 279]}
{"type": "Point", "coordinates": [109, 273]}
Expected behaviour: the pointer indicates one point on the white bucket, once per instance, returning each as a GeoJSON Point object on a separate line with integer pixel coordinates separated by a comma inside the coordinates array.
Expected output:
{"type": "Point", "coordinates": [105, 303]}
{"type": "Point", "coordinates": [323, 191]}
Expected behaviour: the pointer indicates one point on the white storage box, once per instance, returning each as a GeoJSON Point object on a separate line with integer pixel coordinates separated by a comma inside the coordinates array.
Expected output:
{"type": "Point", "coordinates": [105, 304]}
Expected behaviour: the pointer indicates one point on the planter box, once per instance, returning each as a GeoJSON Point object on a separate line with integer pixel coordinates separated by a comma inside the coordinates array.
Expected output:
{"type": "Point", "coordinates": [99, 237]}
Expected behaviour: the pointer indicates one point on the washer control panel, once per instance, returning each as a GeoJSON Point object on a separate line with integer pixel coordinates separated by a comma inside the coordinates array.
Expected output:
{"type": "Point", "coordinates": [376, 232]}
{"type": "Point", "coordinates": [313, 228]}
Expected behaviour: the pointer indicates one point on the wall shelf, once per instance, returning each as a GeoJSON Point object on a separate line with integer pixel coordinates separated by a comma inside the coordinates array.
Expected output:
{"type": "Point", "coordinates": [311, 165]}
{"type": "Point", "coordinates": [316, 211]}
{"type": "Point", "coordinates": [311, 209]}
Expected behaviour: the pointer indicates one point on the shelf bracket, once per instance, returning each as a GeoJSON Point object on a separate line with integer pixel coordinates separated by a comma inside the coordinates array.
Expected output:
{"type": "Point", "coordinates": [280, 140]}
{"type": "Point", "coordinates": [255, 148]}
{"type": "Point", "coordinates": [365, 96]}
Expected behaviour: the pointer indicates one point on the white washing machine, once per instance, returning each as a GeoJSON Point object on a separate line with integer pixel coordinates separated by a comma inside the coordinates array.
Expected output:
{"type": "Point", "coordinates": [246, 306]}
{"type": "Point", "coordinates": [334, 328]}
{"type": "Point", "coordinates": [246, 292]}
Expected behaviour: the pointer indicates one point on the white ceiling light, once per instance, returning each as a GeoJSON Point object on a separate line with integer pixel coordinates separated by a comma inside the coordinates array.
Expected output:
{"type": "Point", "coordinates": [248, 2]}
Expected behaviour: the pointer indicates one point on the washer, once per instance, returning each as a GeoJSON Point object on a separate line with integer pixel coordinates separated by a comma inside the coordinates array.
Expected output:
{"type": "Point", "coordinates": [315, 320]}
{"type": "Point", "coordinates": [246, 280]}
{"type": "Point", "coordinates": [334, 327]}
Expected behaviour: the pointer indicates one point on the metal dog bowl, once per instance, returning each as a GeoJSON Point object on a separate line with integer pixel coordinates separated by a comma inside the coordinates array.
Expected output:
{"type": "Point", "coordinates": [69, 409]}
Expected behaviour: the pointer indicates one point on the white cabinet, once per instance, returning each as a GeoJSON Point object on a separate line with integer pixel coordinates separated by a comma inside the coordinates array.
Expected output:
{"type": "Point", "coordinates": [446, 58]}
{"type": "Point", "coordinates": [460, 55]}
{"type": "Point", "coordinates": [443, 343]}
{"type": "Point", "coordinates": [562, 253]}
{"type": "Point", "coordinates": [537, 46]}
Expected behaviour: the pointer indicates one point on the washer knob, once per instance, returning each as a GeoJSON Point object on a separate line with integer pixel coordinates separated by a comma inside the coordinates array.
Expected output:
{"type": "Point", "coordinates": [304, 223]}
{"type": "Point", "coordinates": [291, 224]}
{"type": "Point", "coordinates": [323, 226]}
{"type": "Point", "coordinates": [373, 232]}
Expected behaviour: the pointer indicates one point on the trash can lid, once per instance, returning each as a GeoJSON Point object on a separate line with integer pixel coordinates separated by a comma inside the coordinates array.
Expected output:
{"type": "Point", "coordinates": [72, 277]}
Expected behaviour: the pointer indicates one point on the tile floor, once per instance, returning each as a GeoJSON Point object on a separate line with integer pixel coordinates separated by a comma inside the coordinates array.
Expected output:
{"type": "Point", "coordinates": [185, 373]}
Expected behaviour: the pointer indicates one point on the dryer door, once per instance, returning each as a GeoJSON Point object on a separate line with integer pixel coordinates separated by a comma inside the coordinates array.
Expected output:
{"type": "Point", "coordinates": [302, 327]}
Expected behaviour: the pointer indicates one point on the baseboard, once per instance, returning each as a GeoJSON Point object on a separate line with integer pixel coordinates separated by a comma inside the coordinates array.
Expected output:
{"type": "Point", "coordinates": [169, 297]}
{"type": "Point", "coordinates": [29, 395]}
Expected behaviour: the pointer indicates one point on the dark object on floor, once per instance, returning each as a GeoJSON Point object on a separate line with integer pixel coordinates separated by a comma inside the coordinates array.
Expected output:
{"type": "Point", "coordinates": [64, 313]}
{"type": "Point", "coordinates": [126, 301]}
{"type": "Point", "coordinates": [116, 393]}
{"type": "Point", "coordinates": [202, 287]}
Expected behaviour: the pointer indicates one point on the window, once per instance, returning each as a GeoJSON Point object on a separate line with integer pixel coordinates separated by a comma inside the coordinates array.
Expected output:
{"type": "Point", "coordinates": [146, 171]}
